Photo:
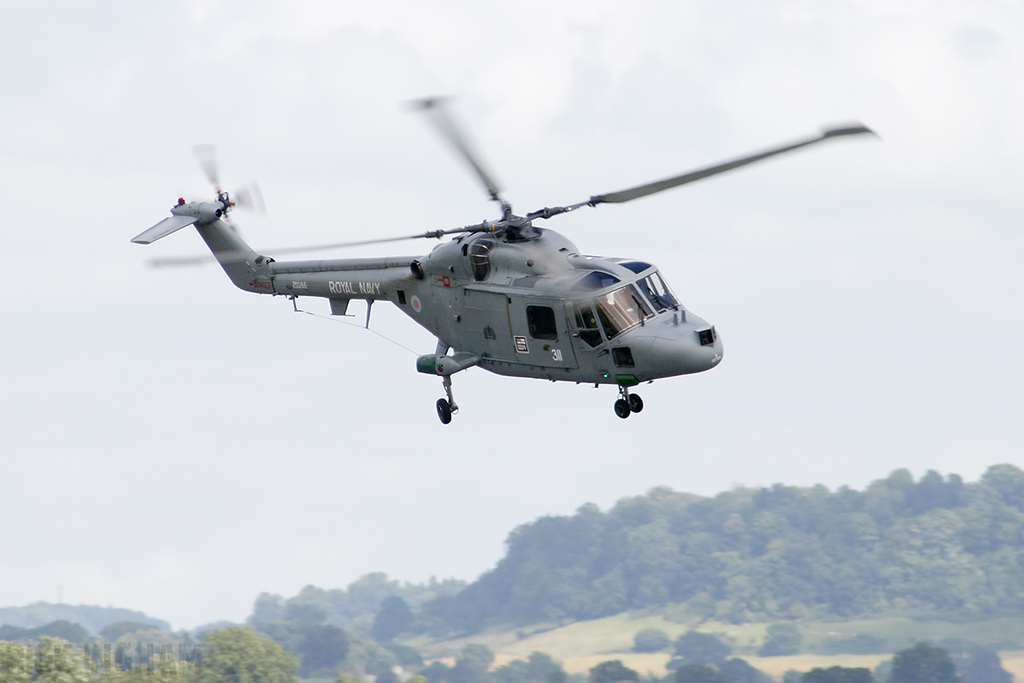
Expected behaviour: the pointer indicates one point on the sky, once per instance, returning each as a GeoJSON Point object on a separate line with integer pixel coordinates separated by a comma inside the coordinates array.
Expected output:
{"type": "Point", "coordinates": [174, 445]}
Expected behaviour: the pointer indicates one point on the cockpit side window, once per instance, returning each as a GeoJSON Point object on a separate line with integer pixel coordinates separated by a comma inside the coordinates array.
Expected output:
{"type": "Point", "coordinates": [586, 323]}
{"type": "Point", "coordinates": [480, 259]}
{"type": "Point", "coordinates": [621, 310]}
{"type": "Point", "coordinates": [658, 293]}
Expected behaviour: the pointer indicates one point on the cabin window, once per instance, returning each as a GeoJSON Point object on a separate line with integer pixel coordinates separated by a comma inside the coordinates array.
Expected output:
{"type": "Point", "coordinates": [586, 324]}
{"type": "Point", "coordinates": [541, 321]}
{"type": "Point", "coordinates": [480, 259]}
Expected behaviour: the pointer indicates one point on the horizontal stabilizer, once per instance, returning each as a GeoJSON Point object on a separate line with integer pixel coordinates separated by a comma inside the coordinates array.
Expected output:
{"type": "Point", "coordinates": [164, 228]}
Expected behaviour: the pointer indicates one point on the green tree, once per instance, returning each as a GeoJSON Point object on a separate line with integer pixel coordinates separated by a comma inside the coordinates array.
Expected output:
{"type": "Point", "coordinates": [543, 669]}
{"type": "Point", "coordinates": [472, 665]}
{"type": "Point", "coordinates": [305, 612]}
{"type": "Point", "coordinates": [119, 629]}
{"type": "Point", "coordinates": [980, 665]}
{"type": "Point", "coordinates": [838, 674]}
{"type": "Point", "coordinates": [288, 634]}
{"type": "Point", "coordinates": [8, 632]}
{"type": "Point", "coordinates": [16, 665]}
{"type": "Point", "coordinates": [392, 620]}
{"type": "Point", "coordinates": [1008, 482]}
{"type": "Point", "coordinates": [701, 648]}
{"type": "Point", "coordinates": [924, 664]}
{"type": "Point", "coordinates": [538, 668]}
{"type": "Point", "coordinates": [57, 661]}
{"type": "Point", "coordinates": [268, 607]}
{"type": "Point", "coordinates": [240, 655]}
{"type": "Point", "coordinates": [613, 671]}
{"type": "Point", "coordinates": [63, 629]}
{"type": "Point", "coordinates": [650, 640]}
{"type": "Point", "coordinates": [322, 647]}
{"type": "Point", "coordinates": [368, 656]}
{"type": "Point", "coordinates": [739, 671]}
{"type": "Point", "coordinates": [699, 673]}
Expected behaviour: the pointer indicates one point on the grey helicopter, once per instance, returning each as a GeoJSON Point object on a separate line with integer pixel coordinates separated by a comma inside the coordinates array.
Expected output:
{"type": "Point", "coordinates": [503, 295]}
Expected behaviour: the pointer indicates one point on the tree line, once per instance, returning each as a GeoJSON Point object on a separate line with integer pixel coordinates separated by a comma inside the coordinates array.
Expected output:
{"type": "Point", "coordinates": [937, 545]}
{"type": "Point", "coordinates": [241, 655]}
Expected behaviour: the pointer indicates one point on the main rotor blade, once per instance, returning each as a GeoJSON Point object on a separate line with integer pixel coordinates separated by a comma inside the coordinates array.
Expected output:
{"type": "Point", "coordinates": [433, 234]}
{"type": "Point", "coordinates": [438, 113]}
{"type": "Point", "coordinates": [668, 183]}
{"type": "Point", "coordinates": [175, 261]}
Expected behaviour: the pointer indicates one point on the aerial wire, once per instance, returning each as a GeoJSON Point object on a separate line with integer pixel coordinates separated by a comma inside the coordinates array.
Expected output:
{"type": "Point", "coordinates": [345, 322]}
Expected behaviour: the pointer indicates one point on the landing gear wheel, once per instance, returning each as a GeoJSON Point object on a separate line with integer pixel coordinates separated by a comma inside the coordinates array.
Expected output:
{"type": "Point", "coordinates": [444, 411]}
{"type": "Point", "coordinates": [636, 404]}
{"type": "Point", "coordinates": [621, 408]}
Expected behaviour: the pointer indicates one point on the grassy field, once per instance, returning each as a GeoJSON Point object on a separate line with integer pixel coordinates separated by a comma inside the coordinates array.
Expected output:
{"type": "Point", "coordinates": [582, 645]}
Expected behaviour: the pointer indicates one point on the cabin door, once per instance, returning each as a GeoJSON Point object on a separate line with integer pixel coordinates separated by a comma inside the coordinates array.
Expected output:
{"type": "Point", "coordinates": [541, 333]}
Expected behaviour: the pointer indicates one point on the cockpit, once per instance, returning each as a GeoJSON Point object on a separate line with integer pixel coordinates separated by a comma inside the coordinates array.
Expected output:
{"type": "Point", "coordinates": [620, 309]}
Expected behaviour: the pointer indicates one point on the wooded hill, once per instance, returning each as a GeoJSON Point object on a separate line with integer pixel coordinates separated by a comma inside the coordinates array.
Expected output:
{"type": "Point", "coordinates": [900, 546]}
{"type": "Point", "coordinates": [91, 617]}
{"type": "Point", "coordinates": [937, 546]}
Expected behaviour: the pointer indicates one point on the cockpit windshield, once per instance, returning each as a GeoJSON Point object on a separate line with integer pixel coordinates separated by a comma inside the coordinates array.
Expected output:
{"type": "Point", "coordinates": [658, 292]}
{"type": "Point", "coordinates": [620, 310]}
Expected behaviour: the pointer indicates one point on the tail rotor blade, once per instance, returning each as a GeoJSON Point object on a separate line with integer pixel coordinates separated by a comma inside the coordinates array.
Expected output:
{"type": "Point", "coordinates": [250, 197]}
{"type": "Point", "coordinates": [207, 155]}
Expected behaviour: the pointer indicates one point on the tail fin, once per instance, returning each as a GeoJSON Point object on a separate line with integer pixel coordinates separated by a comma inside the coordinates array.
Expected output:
{"type": "Point", "coordinates": [246, 269]}
{"type": "Point", "coordinates": [164, 228]}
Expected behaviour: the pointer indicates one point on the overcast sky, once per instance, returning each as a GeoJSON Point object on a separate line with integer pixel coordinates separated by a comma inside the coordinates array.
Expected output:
{"type": "Point", "coordinates": [174, 445]}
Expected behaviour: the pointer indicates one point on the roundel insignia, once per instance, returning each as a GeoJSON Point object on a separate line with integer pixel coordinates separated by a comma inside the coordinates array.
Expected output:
{"type": "Point", "coordinates": [416, 304]}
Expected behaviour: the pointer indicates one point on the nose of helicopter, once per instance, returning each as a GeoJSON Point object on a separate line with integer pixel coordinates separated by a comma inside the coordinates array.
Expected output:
{"type": "Point", "coordinates": [686, 348]}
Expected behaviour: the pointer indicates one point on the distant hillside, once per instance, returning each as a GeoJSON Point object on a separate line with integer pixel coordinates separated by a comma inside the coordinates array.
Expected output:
{"type": "Point", "coordinates": [349, 608]}
{"type": "Point", "coordinates": [91, 617]}
{"type": "Point", "coordinates": [937, 545]}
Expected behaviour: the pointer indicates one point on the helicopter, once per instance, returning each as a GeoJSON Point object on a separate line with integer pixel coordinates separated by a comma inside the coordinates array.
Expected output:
{"type": "Point", "coordinates": [503, 295]}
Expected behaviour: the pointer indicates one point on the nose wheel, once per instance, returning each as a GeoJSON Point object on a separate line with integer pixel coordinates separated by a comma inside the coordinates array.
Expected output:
{"type": "Point", "coordinates": [444, 411]}
{"type": "Point", "coordinates": [628, 403]}
{"type": "Point", "coordinates": [446, 406]}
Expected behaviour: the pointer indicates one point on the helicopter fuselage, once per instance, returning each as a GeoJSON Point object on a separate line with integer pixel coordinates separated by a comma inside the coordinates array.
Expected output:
{"type": "Point", "coordinates": [526, 308]}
